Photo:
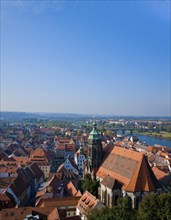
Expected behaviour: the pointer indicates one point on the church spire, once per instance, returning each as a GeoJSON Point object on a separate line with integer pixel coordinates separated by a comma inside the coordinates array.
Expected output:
{"type": "Point", "coordinates": [94, 134]}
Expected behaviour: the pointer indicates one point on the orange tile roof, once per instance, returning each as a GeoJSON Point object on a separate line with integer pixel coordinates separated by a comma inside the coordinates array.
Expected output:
{"type": "Point", "coordinates": [143, 179]}
{"type": "Point", "coordinates": [5, 182]}
{"type": "Point", "coordinates": [159, 173]}
{"type": "Point", "coordinates": [150, 148]}
{"type": "Point", "coordinates": [20, 213]}
{"type": "Point", "coordinates": [87, 203]}
{"type": "Point", "coordinates": [8, 169]}
{"type": "Point", "coordinates": [64, 141]}
{"type": "Point", "coordinates": [38, 152]}
{"type": "Point", "coordinates": [4, 197]}
{"type": "Point", "coordinates": [71, 190]}
{"type": "Point", "coordinates": [58, 202]}
{"type": "Point", "coordinates": [60, 147]}
{"type": "Point", "coordinates": [130, 168]}
{"type": "Point", "coordinates": [40, 193]}
{"type": "Point", "coordinates": [21, 160]}
{"type": "Point", "coordinates": [78, 194]}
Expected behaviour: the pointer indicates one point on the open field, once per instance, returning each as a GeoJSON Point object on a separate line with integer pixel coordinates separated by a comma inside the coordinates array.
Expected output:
{"type": "Point", "coordinates": [162, 134]}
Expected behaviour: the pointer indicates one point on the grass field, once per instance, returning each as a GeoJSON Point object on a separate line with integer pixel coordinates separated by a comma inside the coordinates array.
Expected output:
{"type": "Point", "coordinates": [162, 134]}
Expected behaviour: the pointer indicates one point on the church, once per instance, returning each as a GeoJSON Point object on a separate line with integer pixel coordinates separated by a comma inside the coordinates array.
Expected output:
{"type": "Point", "coordinates": [123, 173]}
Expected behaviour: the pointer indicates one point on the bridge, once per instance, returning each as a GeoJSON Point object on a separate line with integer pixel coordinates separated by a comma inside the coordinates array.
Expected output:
{"type": "Point", "coordinates": [123, 130]}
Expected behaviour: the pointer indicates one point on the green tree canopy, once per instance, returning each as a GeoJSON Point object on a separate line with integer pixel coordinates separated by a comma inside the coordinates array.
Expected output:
{"type": "Point", "coordinates": [155, 207]}
{"type": "Point", "coordinates": [122, 211]}
{"type": "Point", "coordinates": [152, 207]}
{"type": "Point", "coordinates": [90, 185]}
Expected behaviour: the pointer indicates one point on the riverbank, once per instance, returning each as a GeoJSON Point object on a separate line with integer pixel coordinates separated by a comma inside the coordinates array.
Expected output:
{"type": "Point", "coordinates": [160, 135]}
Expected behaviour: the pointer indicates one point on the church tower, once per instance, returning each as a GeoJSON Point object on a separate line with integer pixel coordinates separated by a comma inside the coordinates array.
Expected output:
{"type": "Point", "coordinates": [94, 151]}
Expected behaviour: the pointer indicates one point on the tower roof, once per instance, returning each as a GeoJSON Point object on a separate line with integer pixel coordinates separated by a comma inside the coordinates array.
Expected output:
{"type": "Point", "coordinates": [94, 134]}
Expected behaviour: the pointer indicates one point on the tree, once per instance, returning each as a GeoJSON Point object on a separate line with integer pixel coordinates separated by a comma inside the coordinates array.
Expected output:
{"type": "Point", "coordinates": [122, 211]}
{"type": "Point", "coordinates": [102, 214]}
{"type": "Point", "coordinates": [155, 207]}
{"type": "Point", "coordinates": [90, 185]}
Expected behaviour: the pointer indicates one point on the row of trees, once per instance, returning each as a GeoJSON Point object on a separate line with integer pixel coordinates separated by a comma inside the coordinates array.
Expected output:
{"type": "Point", "coordinates": [152, 207]}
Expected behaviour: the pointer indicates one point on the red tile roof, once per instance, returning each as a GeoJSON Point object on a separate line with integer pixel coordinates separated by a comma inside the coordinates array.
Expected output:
{"type": "Point", "coordinates": [5, 182]}
{"type": "Point", "coordinates": [8, 169]}
{"type": "Point", "coordinates": [88, 202]}
{"type": "Point", "coordinates": [59, 202]}
{"type": "Point", "coordinates": [60, 147]}
{"type": "Point", "coordinates": [72, 191]}
{"type": "Point", "coordinates": [38, 152]}
{"type": "Point", "coordinates": [21, 213]}
{"type": "Point", "coordinates": [159, 173]}
{"type": "Point", "coordinates": [130, 168]}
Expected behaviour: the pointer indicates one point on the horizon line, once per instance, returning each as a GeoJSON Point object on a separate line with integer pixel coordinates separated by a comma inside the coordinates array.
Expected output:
{"type": "Point", "coordinates": [88, 114]}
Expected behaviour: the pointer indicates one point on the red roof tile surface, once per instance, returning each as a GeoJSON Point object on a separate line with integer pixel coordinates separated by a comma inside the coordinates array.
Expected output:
{"type": "Point", "coordinates": [130, 168]}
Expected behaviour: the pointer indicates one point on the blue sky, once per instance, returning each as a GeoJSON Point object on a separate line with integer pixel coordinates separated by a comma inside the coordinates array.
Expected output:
{"type": "Point", "coordinates": [86, 57]}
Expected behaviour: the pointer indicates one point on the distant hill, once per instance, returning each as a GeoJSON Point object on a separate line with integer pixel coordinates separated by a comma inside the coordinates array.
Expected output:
{"type": "Point", "coordinates": [26, 115]}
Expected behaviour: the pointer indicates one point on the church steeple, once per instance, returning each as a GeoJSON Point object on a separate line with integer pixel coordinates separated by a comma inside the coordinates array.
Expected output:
{"type": "Point", "coordinates": [94, 134]}
{"type": "Point", "coordinates": [94, 150]}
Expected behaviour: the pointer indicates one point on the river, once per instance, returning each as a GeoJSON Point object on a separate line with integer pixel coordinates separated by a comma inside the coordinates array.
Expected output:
{"type": "Point", "coordinates": [152, 140]}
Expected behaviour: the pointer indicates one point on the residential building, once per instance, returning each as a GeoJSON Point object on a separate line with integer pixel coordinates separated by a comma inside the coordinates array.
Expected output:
{"type": "Point", "coordinates": [27, 213]}
{"type": "Point", "coordinates": [67, 204]}
{"type": "Point", "coordinates": [80, 159]}
{"type": "Point", "coordinates": [43, 160]}
{"type": "Point", "coordinates": [69, 165]}
{"type": "Point", "coordinates": [87, 204]}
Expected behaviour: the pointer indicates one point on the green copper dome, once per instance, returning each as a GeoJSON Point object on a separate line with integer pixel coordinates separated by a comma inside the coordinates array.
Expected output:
{"type": "Point", "coordinates": [94, 134]}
